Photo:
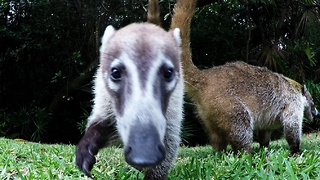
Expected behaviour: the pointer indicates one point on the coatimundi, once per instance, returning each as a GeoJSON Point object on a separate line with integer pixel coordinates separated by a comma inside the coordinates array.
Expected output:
{"type": "Point", "coordinates": [139, 88]}
{"type": "Point", "coordinates": [242, 99]}
{"type": "Point", "coordinates": [237, 99]}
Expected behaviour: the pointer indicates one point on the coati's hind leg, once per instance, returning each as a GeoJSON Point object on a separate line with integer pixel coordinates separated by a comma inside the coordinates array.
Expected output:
{"type": "Point", "coordinates": [218, 141]}
{"type": "Point", "coordinates": [97, 136]}
{"type": "Point", "coordinates": [263, 137]}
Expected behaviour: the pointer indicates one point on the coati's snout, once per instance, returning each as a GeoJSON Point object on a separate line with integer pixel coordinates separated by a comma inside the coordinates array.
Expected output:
{"type": "Point", "coordinates": [315, 113]}
{"type": "Point", "coordinates": [310, 110]}
{"type": "Point", "coordinates": [144, 147]}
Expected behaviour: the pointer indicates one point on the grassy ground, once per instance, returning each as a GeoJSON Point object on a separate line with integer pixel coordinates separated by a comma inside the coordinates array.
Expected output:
{"type": "Point", "coordinates": [25, 160]}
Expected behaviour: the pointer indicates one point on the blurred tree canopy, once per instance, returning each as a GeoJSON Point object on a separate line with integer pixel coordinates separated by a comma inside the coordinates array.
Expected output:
{"type": "Point", "coordinates": [49, 52]}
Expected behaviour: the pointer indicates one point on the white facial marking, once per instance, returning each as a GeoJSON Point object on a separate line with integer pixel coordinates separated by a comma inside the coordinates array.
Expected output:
{"type": "Point", "coordinates": [153, 71]}
{"type": "Point", "coordinates": [170, 85]}
{"type": "Point", "coordinates": [111, 84]}
{"type": "Point", "coordinates": [142, 104]}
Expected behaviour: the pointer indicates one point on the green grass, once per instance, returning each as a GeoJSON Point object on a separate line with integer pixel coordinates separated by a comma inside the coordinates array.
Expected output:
{"type": "Point", "coordinates": [26, 160]}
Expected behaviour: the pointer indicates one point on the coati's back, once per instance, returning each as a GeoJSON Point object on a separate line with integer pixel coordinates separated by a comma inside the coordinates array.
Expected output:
{"type": "Point", "coordinates": [236, 99]}
{"type": "Point", "coordinates": [241, 79]}
{"type": "Point", "coordinates": [257, 88]}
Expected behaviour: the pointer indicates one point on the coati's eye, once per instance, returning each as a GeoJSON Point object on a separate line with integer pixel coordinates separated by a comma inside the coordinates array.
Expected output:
{"type": "Point", "coordinates": [115, 74]}
{"type": "Point", "coordinates": [168, 74]}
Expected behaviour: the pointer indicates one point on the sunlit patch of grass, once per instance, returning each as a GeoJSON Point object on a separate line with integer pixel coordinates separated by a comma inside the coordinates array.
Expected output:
{"type": "Point", "coordinates": [26, 160]}
{"type": "Point", "coordinates": [274, 162]}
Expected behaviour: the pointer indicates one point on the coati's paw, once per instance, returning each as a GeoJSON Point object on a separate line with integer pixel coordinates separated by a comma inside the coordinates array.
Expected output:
{"type": "Point", "coordinates": [85, 156]}
{"type": "Point", "coordinates": [295, 153]}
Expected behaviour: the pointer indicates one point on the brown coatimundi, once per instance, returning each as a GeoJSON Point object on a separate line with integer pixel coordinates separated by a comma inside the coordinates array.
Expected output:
{"type": "Point", "coordinates": [241, 99]}
{"type": "Point", "coordinates": [237, 99]}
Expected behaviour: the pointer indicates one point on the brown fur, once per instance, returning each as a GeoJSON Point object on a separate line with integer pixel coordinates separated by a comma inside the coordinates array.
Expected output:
{"type": "Point", "coordinates": [154, 12]}
{"type": "Point", "coordinates": [236, 99]}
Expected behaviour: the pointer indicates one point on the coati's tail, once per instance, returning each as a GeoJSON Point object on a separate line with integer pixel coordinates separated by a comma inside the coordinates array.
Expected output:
{"type": "Point", "coordinates": [183, 12]}
{"type": "Point", "coordinates": [182, 15]}
{"type": "Point", "coordinates": [153, 12]}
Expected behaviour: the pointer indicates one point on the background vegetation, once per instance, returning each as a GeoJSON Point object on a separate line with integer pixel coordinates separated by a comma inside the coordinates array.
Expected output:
{"type": "Point", "coordinates": [49, 53]}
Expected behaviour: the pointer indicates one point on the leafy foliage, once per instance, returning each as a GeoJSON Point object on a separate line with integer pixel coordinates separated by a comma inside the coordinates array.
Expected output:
{"type": "Point", "coordinates": [83, 121]}
{"type": "Point", "coordinates": [28, 123]}
{"type": "Point", "coordinates": [48, 54]}
{"type": "Point", "coordinates": [217, 34]}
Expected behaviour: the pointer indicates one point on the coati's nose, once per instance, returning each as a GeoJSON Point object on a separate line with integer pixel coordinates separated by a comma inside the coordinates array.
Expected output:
{"type": "Point", "coordinates": [144, 147]}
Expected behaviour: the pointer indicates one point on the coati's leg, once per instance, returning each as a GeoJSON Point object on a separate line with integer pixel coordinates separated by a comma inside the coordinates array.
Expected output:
{"type": "Point", "coordinates": [240, 129]}
{"type": "Point", "coordinates": [292, 132]}
{"type": "Point", "coordinates": [263, 137]}
{"type": "Point", "coordinates": [97, 136]}
{"type": "Point", "coordinates": [218, 141]}
{"type": "Point", "coordinates": [241, 139]}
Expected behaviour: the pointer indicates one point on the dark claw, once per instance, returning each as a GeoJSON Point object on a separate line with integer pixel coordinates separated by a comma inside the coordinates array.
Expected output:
{"type": "Point", "coordinates": [86, 168]}
{"type": "Point", "coordinates": [84, 157]}
{"type": "Point", "coordinates": [96, 137]}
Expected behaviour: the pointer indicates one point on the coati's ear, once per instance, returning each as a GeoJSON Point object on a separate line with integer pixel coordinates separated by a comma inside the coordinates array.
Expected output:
{"type": "Point", "coordinates": [304, 89]}
{"type": "Point", "coordinates": [176, 35]}
{"type": "Point", "coordinates": [106, 36]}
